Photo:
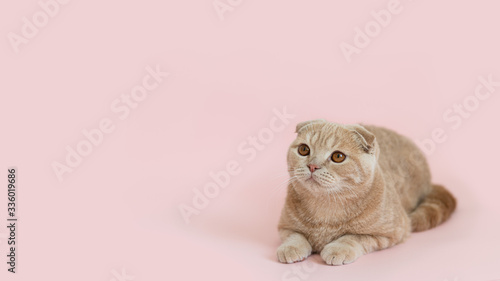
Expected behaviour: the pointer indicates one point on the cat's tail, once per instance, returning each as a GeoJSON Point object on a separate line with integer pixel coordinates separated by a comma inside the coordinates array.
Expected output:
{"type": "Point", "coordinates": [433, 210]}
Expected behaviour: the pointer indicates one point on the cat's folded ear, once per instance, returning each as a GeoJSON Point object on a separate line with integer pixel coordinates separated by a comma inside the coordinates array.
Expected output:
{"type": "Point", "coordinates": [301, 125]}
{"type": "Point", "coordinates": [366, 138]}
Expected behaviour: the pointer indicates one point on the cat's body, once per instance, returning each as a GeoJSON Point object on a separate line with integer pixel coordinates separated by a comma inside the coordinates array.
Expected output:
{"type": "Point", "coordinates": [355, 190]}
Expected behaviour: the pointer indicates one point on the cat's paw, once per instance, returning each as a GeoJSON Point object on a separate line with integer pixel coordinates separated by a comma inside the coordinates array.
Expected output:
{"type": "Point", "coordinates": [337, 253]}
{"type": "Point", "coordinates": [290, 253]}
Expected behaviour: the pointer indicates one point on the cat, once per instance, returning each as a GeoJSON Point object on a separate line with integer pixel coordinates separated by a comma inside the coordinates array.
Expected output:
{"type": "Point", "coordinates": [353, 190]}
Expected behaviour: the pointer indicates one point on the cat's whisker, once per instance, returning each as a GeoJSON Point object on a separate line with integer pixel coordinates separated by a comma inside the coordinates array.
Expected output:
{"type": "Point", "coordinates": [280, 186]}
{"type": "Point", "coordinates": [279, 176]}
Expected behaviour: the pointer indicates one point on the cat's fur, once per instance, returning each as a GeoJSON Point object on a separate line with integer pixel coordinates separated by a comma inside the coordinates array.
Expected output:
{"type": "Point", "coordinates": [380, 193]}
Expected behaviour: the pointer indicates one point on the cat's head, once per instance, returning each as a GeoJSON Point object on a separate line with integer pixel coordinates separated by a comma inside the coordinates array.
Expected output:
{"type": "Point", "coordinates": [327, 156]}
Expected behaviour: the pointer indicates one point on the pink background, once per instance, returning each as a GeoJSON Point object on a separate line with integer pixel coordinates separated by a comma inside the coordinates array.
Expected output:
{"type": "Point", "coordinates": [118, 210]}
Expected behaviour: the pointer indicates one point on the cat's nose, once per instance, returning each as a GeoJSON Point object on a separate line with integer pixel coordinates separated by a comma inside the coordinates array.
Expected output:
{"type": "Point", "coordinates": [313, 167]}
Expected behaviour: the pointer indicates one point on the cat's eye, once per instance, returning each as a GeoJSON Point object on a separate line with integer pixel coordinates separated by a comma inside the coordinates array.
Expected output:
{"type": "Point", "coordinates": [338, 157]}
{"type": "Point", "coordinates": [304, 150]}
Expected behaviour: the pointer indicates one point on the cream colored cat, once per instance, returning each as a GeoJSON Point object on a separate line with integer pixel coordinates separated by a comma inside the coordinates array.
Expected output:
{"type": "Point", "coordinates": [354, 190]}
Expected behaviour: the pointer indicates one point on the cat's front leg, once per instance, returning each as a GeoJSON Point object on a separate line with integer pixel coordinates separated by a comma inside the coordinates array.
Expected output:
{"type": "Point", "coordinates": [350, 247]}
{"type": "Point", "coordinates": [294, 248]}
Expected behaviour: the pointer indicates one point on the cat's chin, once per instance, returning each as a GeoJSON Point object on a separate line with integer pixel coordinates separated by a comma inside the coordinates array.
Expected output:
{"type": "Point", "coordinates": [312, 185]}
{"type": "Point", "coordinates": [317, 188]}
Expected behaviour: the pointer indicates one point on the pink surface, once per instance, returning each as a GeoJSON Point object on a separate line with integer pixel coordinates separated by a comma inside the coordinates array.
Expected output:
{"type": "Point", "coordinates": [115, 214]}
